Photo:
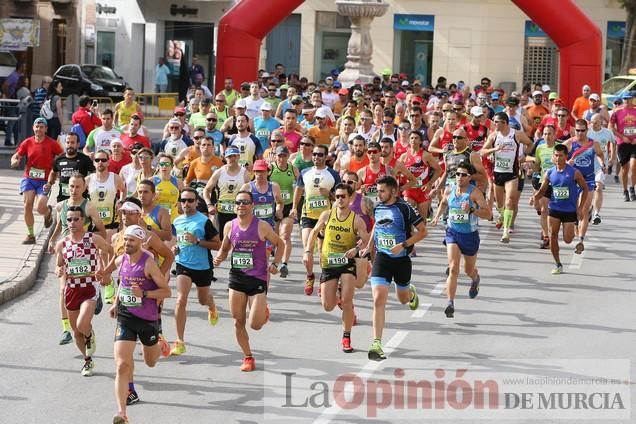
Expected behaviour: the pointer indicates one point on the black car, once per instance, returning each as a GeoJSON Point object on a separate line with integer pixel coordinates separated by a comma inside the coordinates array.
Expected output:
{"type": "Point", "coordinates": [91, 80]}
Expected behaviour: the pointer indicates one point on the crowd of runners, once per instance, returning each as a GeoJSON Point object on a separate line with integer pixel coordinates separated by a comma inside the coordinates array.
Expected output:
{"type": "Point", "coordinates": [359, 172]}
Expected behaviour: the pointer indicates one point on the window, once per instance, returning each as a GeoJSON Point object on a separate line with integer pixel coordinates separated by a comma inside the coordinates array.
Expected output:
{"type": "Point", "coordinates": [540, 62]}
{"type": "Point", "coordinates": [65, 72]}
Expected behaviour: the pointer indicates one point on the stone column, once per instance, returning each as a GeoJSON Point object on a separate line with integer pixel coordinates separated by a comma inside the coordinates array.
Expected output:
{"type": "Point", "coordinates": [360, 47]}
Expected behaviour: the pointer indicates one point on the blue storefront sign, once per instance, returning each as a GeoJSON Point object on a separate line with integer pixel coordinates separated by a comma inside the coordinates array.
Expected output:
{"type": "Point", "coordinates": [534, 30]}
{"type": "Point", "coordinates": [414, 22]}
{"type": "Point", "coordinates": [615, 29]}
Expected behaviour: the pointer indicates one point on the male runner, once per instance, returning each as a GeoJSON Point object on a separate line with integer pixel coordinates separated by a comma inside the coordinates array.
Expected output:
{"type": "Point", "coordinates": [155, 217]}
{"type": "Point", "coordinates": [196, 236]}
{"type": "Point", "coordinates": [564, 183]}
{"type": "Point", "coordinates": [392, 240]}
{"type": "Point", "coordinates": [142, 286]}
{"type": "Point", "coordinates": [249, 273]}
{"type": "Point", "coordinates": [342, 229]}
{"type": "Point", "coordinates": [73, 161]}
{"type": "Point", "coordinates": [623, 125]}
{"type": "Point", "coordinates": [465, 203]}
{"type": "Point", "coordinates": [80, 255]}
{"type": "Point", "coordinates": [607, 141]}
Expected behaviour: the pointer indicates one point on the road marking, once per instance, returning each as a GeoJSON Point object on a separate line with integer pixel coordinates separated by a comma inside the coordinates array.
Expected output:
{"type": "Point", "coordinates": [423, 309]}
{"type": "Point", "coordinates": [437, 291]}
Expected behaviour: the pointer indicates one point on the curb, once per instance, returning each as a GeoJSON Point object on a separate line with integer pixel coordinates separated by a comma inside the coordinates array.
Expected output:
{"type": "Point", "coordinates": [23, 280]}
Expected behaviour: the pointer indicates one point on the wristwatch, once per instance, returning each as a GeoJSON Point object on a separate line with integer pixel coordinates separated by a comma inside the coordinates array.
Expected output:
{"type": "Point", "coordinates": [149, 227]}
{"type": "Point", "coordinates": [144, 294]}
{"type": "Point", "coordinates": [405, 244]}
{"type": "Point", "coordinates": [275, 265]}
{"type": "Point", "coordinates": [198, 241]}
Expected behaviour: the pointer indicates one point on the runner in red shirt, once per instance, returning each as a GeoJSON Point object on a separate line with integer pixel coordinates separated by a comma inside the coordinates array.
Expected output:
{"type": "Point", "coordinates": [119, 158]}
{"type": "Point", "coordinates": [40, 152]}
{"type": "Point", "coordinates": [426, 170]}
{"type": "Point", "coordinates": [132, 136]}
{"type": "Point", "coordinates": [443, 138]}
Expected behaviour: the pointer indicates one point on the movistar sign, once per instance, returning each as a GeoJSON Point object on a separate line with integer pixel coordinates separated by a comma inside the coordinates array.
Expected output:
{"type": "Point", "coordinates": [414, 22]}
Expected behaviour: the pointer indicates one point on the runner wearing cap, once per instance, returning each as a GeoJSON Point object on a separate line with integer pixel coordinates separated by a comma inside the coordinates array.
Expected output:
{"type": "Point", "coordinates": [136, 309]}
{"type": "Point", "coordinates": [77, 187]}
{"type": "Point", "coordinates": [595, 106]}
{"type": "Point", "coordinates": [268, 202]}
{"type": "Point", "coordinates": [464, 203]}
{"type": "Point", "coordinates": [180, 113]}
{"type": "Point", "coordinates": [536, 111]}
{"type": "Point", "coordinates": [196, 236]}
{"type": "Point", "coordinates": [119, 157]}
{"type": "Point", "coordinates": [505, 144]}
{"type": "Point", "coordinates": [264, 125]}
{"type": "Point", "coordinates": [622, 124]}
{"type": "Point", "coordinates": [246, 237]}
{"type": "Point", "coordinates": [285, 175]}
{"type": "Point", "coordinates": [227, 181]}
{"type": "Point", "coordinates": [322, 132]}
{"type": "Point", "coordinates": [81, 257]}
{"type": "Point", "coordinates": [563, 182]}
{"type": "Point", "coordinates": [174, 144]}
{"type": "Point", "coordinates": [40, 151]}
{"type": "Point", "coordinates": [316, 184]}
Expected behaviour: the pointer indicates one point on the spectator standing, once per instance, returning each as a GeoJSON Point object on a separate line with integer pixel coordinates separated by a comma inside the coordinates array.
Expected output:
{"type": "Point", "coordinates": [161, 76]}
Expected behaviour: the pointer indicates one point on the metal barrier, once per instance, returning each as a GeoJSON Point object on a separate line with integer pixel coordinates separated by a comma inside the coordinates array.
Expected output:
{"type": "Point", "coordinates": [157, 105]}
{"type": "Point", "coordinates": [18, 112]}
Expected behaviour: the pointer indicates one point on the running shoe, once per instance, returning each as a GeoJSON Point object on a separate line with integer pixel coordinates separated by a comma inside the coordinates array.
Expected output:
{"type": "Point", "coordinates": [99, 304]}
{"type": "Point", "coordinates": [450, 310]}
{"type": "Point", "coordinates": [597, 219]}
{"type": "Point", "coordinates": [512, 229]}
{"type": "Point", "coordinates": [632, 194]}
{"type": "Point", "coordinates": [346, 345]}
{"type": "Point", "coordinates": [474, 288]}
{"type": "Point", "coordinates": [109, 293]}
{"type": "Point", "coordinates": [545, 243]}
{"type": "Point", "coordinates": [118, 419]}
{"type": "Point", "coordinates": [415, 300]}
{"type": "Point", "coordinates": [557, 270]}
{"type": "Point", "coordinates": [249, 364]}
{"type": "Point", "coordinates": [132, 398]}
{"type": "Point", "coordinates": [66, 338]}
{"type": "Point", "coordinates": [505, 238]}
{"type": "Point", "coordinates": [48, 219]}
{"type": "Point", "coordinates": [213, 316]}
{"type": "Point", "coordinates": [579, 248]}
{"type": "Point", "coordinates": [615, 178]}
{"type": "Point", "coordinates": [375, 352]}
{"type": "Point", "coordinates": [625, 194]}
{"type": "Point", "coordinates": [309, 285]}
{"type": "Point", "coordinates": [91, 344]}
{"type": "Point", "coordinates": [284, 271]}
{"type": "Point", "coordinates": [178, 348]}
{"type": "Point", "coordinates": [29, 239]}
{"type": "Point", "coordinates": [88, 368]}
{"type": "Point", "coordinates": [164, 346]}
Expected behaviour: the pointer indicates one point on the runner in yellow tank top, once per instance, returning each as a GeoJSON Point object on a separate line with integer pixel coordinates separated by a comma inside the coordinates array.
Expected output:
{"type": "Point", "coordinates": [125, 108]}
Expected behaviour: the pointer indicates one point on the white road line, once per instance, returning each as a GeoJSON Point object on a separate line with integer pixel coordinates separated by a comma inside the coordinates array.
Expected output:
{"type": "Point", "coordinates": [423, 309]}
{"type": "Point", "coordinates": [438, 288]}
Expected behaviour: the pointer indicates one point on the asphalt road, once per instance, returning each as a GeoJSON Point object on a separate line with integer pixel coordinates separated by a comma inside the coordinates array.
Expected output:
{"type": "Point", "coordinates": [524, 323]}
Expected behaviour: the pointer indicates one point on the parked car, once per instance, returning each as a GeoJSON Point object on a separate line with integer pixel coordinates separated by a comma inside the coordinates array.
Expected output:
{"type": "Point", "coordinates": [91, 80]}
{"type": "Point", "coordinates": [614, 87]}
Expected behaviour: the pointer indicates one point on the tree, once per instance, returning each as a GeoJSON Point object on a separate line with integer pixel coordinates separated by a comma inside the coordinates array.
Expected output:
{"type": "Point", "coordinates": [629, 45]}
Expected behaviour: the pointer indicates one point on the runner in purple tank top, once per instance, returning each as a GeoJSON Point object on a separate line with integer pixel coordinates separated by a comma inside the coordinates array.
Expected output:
{"type": "Point", "coordinates": [141, 288]}
{"type": "Point", "coordinates": [245, 236]}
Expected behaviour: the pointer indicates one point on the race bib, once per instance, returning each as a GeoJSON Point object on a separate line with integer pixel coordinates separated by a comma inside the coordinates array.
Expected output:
{"type": "Point", "coordinates": [629, 131]}
{"type": "Point", "coordinates": [181, 240]}
{"type": "Point", "coordinates": [458, 216]}
{"type": "Point", "coordinates": [285, 195]}
{"type": "Point", "coordinates": [263, 211]}
{"type": "Point", "coordinates": [503, 164]}
{"type": "Point", "coordinates": [337, 259]}
{"type": "Point", "coordinates": [36, 173]}
{"type": "Point", "coordinates": [128, 299]}
{"type": "Point", "coordinates": [104, 213]}
{"type": "Point", "coordinates": [64, 189]}
{"type": "Point", "coordinates": [561, 193]}
{"type": "Point", "coordinates": [242, 260]}
{"type": "Point", "coordinates": [226, 207]}
{"type": "Point", "coordinates": [80, 267]}
{"type": "Point", "coordinates": [318, 202]}
{"type": "Point", "coordinates": [386, 241]}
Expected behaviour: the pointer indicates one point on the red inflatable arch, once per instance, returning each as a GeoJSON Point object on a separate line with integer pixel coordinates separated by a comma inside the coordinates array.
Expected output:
{"type": "Point", "coordinates": [243, 27]}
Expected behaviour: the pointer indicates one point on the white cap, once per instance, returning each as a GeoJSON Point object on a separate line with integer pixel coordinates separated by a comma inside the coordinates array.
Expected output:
{"type": "Point", "coordinates": [545, 88]}
{"type": "Point", "coordinates": [476, 111]}
{"type": "Point", "coordinates": [130, 206]}
{"type": "Point", "coordinates": [405, 83]}
{"type": "Point", "coordinates": [174, 121]}
{"type": "Point", "coordinates": [321, 113]}
{"type": "Point", "coordinates": [241, 103]}
{"type": "Point", "coordinates": [587, 87]}
{"type": "Point", "coordinates": [265, 75]}
{"type": "Point", "coordinates": [595, 96]}
{"type": "Point", "coordinates": [329, 79]}
{"type": "Point", "coordinates": [537, 93]}
{"type": "Point", "coordinates": [266, 106]}
{"type": "Point", "coordinates": [357, 93]}
{"type": "Point", "coordinates": [118, 140]}
{"type": "Point", "coordinates": [135, 231]}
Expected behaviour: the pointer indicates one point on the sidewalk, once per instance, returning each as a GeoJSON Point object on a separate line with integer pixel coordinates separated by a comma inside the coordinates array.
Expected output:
{"type": "Point", "coordinates": [19, 264]}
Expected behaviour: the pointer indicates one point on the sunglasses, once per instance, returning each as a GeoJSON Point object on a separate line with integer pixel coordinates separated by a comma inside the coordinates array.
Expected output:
{"type": "Point", "coordinates": [211, 119]}
{"type": "Point", "coordinates": [197, 137]}
{"type": "Point", "coordinates": [179, 114]}
{"type": "Point", "coordinates": [219, 100]}
{"type": "Point", "coordinates": [340, 196]}
{"type": "Point", "coordinates": [165, 164]}
{"type": "Point", "coordinates": [498, 122]}
{"type": "Point", "coordinates": [457, 109]}
{"type": "Point", "coordinates": [579, 130]}
{"type": "Point", "coordinates": [306, 144]}
{"type": "Point", "coordinates": [349, 182]}
{"type": "Point", "coordinates": [277, 140]}
{"type": "Point", "coordinates": [387, 122]}
{"type": "Point", "coordinates": [187, 200]}
{"type": "Point", "coordinates": [373, 151]}
{"type": "Point", "coordinates": [318, 154]}
{"type": "Point", "coordinates": [462, 174]}
{"type": "Point", "coordinates": [242, 202]}
{"type": "Point", "coordinates": [174, 127]}
{"type": "Point", "coordinates": [561, 116]}
{"type": "Point", "coordinates": [144, 157]}
{"type": "Point", "coordinates": [458, 137]}
{"type": "Point", "coordinates": [101, 160]}
{"type": "Point", "coordinates": [415, 116]}
{"type": "Point", "coordinates": [72, 219]}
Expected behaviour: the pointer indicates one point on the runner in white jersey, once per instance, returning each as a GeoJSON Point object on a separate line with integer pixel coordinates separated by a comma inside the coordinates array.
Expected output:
{"type": "Point", "coordinates": [606, 139]}
{"type": "Point", "coordinates": [248, 145]}
{"type": "Point", "coordinates": [504, 143]}
{"type": "Point", "coordinates": [101, 137]}
{"type": "Point", "coordinates": [366, 128]}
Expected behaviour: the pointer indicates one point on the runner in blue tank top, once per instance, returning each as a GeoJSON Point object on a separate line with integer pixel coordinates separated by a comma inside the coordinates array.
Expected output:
{"type": "Point", "coordinates": [584, 152]}
{"type": "Point", "coordinates": [465, 204]}
{"type": "Point", "coordinates": [562, 184]}
{"type": "Point", "coordinates": [245, 236]}
{"type": "Point", "coordinates": [141, 288]}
